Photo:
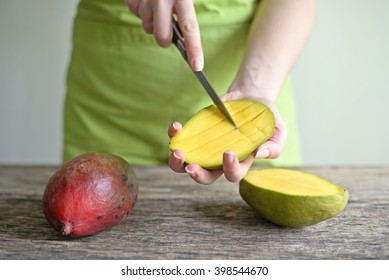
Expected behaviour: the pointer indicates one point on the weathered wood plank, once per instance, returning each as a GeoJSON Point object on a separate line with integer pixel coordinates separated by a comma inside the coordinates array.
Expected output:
{"type": "Point", "coordinates": [175, 218]}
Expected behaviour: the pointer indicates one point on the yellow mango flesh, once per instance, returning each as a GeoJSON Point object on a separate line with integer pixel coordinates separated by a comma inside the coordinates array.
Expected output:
{"type": "Point", "coordinates": [209, 133]}
{"type": "Point", "coordinates": [292, 198]}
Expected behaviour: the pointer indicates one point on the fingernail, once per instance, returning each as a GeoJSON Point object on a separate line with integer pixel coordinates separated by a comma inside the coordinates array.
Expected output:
{"type": "Point", "coordinates": [190, 172]}
{"type": "Point", "coordinates": [229, 156]}
{"type": "Point", "coordinates": [197, 64]}
{"type": "Point", "coordinates": [262, 154]}
{"type": "Point", "coordinates": [176, 155]}
{"type": "Point", "coordinates": [175, 125]}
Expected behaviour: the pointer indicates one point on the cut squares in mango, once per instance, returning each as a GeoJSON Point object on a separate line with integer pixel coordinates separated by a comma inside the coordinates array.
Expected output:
{"type": "Point", "coordinates": [209, 133]}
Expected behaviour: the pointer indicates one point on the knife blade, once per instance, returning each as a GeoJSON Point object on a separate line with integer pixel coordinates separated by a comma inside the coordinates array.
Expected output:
{"type": "Point", "coordinates": [178, 40]}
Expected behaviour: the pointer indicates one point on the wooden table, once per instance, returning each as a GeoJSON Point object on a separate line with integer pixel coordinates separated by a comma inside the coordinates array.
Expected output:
{"type": "Point", "coordinates": [175, 218]}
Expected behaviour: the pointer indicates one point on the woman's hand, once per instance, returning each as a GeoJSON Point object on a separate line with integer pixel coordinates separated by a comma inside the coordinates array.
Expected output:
{"type": "Point", "coordinates": [273, 147]}
{"type": "Point", "coordinates": [276, 37]}
{"type": "Point", "coordinates": [233, 169]}
{"type": "Point", "coordinates": [156, 16]}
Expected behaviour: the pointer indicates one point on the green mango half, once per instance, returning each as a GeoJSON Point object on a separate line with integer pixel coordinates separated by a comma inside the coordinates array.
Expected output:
{"type": "Point", "coordinates": [292, 198]}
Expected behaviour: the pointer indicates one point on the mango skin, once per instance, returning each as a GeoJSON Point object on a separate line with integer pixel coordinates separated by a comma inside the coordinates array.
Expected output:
{"type": "Point", "coordinates": [209, 133]}
{"type": "Point", "coordinates": [292, 210]}
{"type": "Point", "coordinates": [89, 194]}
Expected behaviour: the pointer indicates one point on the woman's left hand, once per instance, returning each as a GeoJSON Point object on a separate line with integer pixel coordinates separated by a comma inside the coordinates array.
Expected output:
{"type": "Point", "coordinates": [233, 169]}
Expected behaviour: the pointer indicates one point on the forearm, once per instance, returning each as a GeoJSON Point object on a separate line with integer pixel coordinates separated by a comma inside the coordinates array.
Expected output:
{"type": "Point", "coordinates": [277, 35]}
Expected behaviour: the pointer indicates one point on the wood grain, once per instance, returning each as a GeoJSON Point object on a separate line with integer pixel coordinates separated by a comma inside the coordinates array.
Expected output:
{"type": "Point", "coordinates": [175, 218]}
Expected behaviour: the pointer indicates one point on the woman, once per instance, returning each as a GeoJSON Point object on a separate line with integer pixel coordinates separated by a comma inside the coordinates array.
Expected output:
{"type": "Point", "coordinates": [124, 90]}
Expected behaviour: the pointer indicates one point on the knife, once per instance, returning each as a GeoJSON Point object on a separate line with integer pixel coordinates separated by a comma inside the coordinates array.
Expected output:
{"type": "Point", "coordinates": [178, 40]}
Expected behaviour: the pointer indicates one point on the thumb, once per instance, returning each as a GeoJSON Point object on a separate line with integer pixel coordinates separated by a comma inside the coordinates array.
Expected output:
{"type": "Point", "coordinates": [275, 145]}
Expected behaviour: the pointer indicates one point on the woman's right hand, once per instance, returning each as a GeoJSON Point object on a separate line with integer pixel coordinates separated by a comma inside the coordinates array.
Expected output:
{"type": "Point", "coordinates": [156, 16]}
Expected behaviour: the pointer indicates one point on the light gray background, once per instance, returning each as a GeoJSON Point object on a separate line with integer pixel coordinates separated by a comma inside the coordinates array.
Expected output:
{"type": "Point", "coordinates": [340, 82]}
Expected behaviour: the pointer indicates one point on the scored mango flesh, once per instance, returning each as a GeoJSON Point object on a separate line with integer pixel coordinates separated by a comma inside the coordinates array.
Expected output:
{"type": "Point", "coordinates": [209, 133]}
{"type": "Point", "coordinates": [292, 198]}
{"type": "Point", "coordinates": [292, 182]}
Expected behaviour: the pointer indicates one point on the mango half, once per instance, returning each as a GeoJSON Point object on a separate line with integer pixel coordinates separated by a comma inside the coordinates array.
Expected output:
{"type": "Point", "coordinates": [209, 133]}
{"type": "Point", "coordinates": [292, 198]}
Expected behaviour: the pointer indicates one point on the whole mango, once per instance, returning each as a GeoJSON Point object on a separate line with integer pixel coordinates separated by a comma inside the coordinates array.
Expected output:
{"type": "Point", "coordinates": [89, 194]}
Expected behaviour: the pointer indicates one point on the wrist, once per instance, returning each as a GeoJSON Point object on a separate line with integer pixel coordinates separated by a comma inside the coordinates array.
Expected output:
{"type": "Point", "coordinates": [247, 85]}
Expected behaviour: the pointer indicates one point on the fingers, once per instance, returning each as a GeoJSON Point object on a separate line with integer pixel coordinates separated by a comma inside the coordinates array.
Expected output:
{"type": "Point", "coordinates": [174, 129]}
{"type": "Point", "coordinates": [163, 11]}
{"type": "Point", "coordinates": [177, 161]}
{"type": "Point", "coordinates": [177, 158]}
{"type": "Point", "coordinates": [133, 6]}
{"type": "Point", "coordinates": [144, 10]}
{"type": "Point", "coordinates": [146, 13]}
{"type": "Point", "coordinates": [156, 19]}
{"type": "Point", "coordinates": [190, 28]}
{"type": "Point", "coordinates": [234, 170]}
{"type": "Point", "coordinates": [201, 175]}
{"type": "Point", "coordinates": [275, 145]}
